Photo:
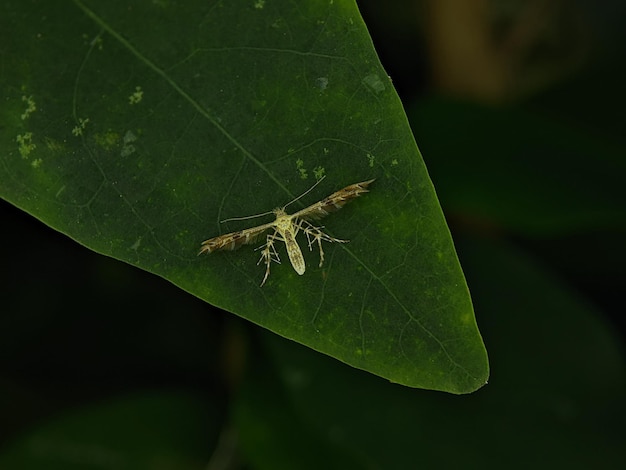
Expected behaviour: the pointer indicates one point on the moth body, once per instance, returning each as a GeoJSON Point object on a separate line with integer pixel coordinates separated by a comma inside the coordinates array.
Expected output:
{"type": "Point", "coordinates": [286, 227]}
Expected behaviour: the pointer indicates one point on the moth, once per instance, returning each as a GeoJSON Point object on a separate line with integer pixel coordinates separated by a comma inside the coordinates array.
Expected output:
{"type": "Point", "coordinates": [286, 227]}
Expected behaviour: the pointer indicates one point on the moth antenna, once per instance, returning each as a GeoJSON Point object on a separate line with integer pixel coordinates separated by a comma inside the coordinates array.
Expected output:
{"type": "Point", "coordinates": [304, 193]}
{"type": "Point", "coordinates": [246, 217]}
{"type": "Point", "coordinates": [271, 212]}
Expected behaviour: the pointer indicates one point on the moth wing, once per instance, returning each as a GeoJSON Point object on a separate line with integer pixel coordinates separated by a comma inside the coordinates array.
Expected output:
{"type": "Point", "coordinates": [334, 202]}
{"type": "Point", "coordinates": [232, 241]}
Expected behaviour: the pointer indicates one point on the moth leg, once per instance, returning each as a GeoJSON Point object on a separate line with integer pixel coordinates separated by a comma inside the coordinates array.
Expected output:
{"type": "Point", "coordinates": [315, 234]}
{"type": "Point", "coordinates": [269, 254]}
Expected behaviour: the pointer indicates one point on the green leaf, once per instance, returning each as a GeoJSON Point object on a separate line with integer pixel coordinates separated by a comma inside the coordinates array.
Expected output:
{"type": "Point", "coordinates": [135, 127]}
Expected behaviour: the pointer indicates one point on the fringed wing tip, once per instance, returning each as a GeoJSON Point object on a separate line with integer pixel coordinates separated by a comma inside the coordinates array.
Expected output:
{"type": "Point", "coordinates": [205, 247]}
{"type": "Point", "coordinates": [365, 184]}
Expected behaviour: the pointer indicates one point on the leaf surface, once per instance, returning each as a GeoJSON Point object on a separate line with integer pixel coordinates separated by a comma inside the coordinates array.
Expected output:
{"type": "Point", "coordinates": [136, 127]}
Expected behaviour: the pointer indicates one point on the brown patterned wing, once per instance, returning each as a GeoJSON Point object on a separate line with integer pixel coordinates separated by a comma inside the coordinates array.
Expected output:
{"type": "Point", "coordinates": [232, 241]}
{"type": "Point", "coordinates": [334, 202]}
